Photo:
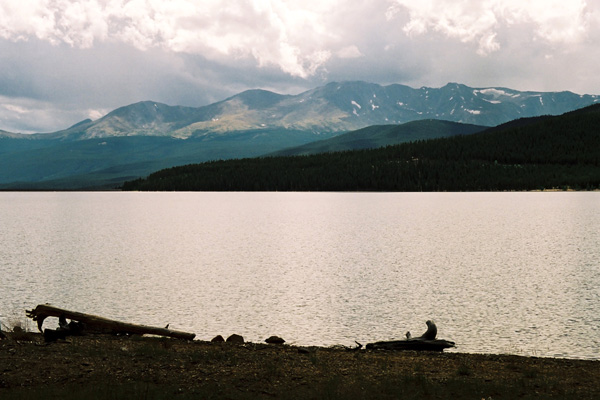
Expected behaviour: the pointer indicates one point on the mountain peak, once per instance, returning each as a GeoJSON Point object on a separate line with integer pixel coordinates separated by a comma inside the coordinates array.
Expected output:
{"type": "Point", "coordinates": [259, 98]}
{"type": "Point", "coordinates": [141, 107]}
{"type": "Point", "coordinates": [454, 85]}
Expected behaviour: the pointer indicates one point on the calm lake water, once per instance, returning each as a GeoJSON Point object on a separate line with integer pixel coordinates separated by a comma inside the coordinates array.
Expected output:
{"type": "Point", "coordinates": [499, 272]}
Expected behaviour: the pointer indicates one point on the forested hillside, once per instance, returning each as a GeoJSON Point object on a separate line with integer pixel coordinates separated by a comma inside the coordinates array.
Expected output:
{"type": "Point", "coordinates": [383, 135]}
{"type": "Point", "coordinates": [554, 152]}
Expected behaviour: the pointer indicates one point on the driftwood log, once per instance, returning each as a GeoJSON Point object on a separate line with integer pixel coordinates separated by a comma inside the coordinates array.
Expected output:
{"type": "Point", "coordinates": [426, 341]}
{"type": "Point", "coordinates": [412, 344]}
{"type": "Point", "coordinates": [96, 323]}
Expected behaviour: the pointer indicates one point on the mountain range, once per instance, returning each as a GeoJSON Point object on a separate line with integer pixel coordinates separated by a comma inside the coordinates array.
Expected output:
{"type": "Point", "coordinates": [536, 153]}
{"type": "Point", "coordinates": [140, 138]}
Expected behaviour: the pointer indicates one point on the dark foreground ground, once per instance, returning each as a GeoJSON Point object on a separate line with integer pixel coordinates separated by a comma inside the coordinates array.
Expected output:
{"type": "Point", "coordinates": [111, 367]}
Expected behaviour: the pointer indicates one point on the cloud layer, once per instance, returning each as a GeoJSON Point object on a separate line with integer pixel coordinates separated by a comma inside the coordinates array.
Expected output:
{"type": "Point", "coordinates": [556, 22]}
{"type": "Point", "coordinates": [272, 32]}
{"type": "Point", "coordinates": [87, 56]}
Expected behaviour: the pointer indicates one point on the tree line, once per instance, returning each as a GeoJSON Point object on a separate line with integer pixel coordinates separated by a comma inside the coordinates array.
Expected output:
{"type": "Point", "coordinates": [553, 152]}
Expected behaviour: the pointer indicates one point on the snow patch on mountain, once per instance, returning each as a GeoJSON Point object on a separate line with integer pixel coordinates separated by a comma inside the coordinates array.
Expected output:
{"type": "Point", "coordinates": [492, 92]}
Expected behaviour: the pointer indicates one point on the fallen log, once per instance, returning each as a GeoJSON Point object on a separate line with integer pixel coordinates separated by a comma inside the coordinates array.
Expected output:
{"type": "Point", "coordinates": [412, 344]}
{"type": "Point", "coordinates": [96, 323]}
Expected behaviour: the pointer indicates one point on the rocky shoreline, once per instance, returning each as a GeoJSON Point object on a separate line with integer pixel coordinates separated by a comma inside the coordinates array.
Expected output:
{"type": "Point", "coordinates": [109, 366]}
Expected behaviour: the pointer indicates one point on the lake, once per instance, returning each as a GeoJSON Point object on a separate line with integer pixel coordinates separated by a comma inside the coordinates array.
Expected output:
{"type": "Point", "coordinates": [514, 273]}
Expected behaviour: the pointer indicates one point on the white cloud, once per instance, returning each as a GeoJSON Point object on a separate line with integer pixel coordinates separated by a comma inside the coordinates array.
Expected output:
{"type": "Point", "coordinates": [555, 22]}
{"type": "Point", "coordinates": [349, 52]}
{"type": "Point", "coordinates": [274, 32]}
{"type": "Point", "coordinates": [13, 108]}
{"type": "Point", "coordinates": [488, 44]}
{"type": "Point", "coordinates": [96, 114]}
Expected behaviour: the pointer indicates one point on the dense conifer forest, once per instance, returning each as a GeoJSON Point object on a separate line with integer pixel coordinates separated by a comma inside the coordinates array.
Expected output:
{"type": "Point", "coordinates": [542, 153]}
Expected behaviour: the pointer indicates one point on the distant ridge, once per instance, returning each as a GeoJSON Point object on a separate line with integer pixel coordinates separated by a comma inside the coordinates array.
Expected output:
{"type": "Point", "coordinates": [383, 135]}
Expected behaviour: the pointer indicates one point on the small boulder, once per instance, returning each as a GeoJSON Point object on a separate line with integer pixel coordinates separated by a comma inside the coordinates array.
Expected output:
{"type": "Point", "coordinates": [275, 340]}
{"type": "Point", "coordinates": [235, 339]}
{"type": "Point", "coordinates": [217, 339]}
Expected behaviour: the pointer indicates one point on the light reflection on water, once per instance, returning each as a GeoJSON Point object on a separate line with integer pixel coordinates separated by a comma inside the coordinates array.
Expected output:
{"type": "Point", "coordinates": [498, 272]}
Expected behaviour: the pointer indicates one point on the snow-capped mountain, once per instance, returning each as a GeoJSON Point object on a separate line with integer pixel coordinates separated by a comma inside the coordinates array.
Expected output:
{"type": "Point", "coordinates": [335, 107]}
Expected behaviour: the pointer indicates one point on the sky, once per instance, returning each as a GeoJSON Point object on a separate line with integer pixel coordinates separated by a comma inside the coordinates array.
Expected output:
{"type": "Point", "coordinates": [62, 61]}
